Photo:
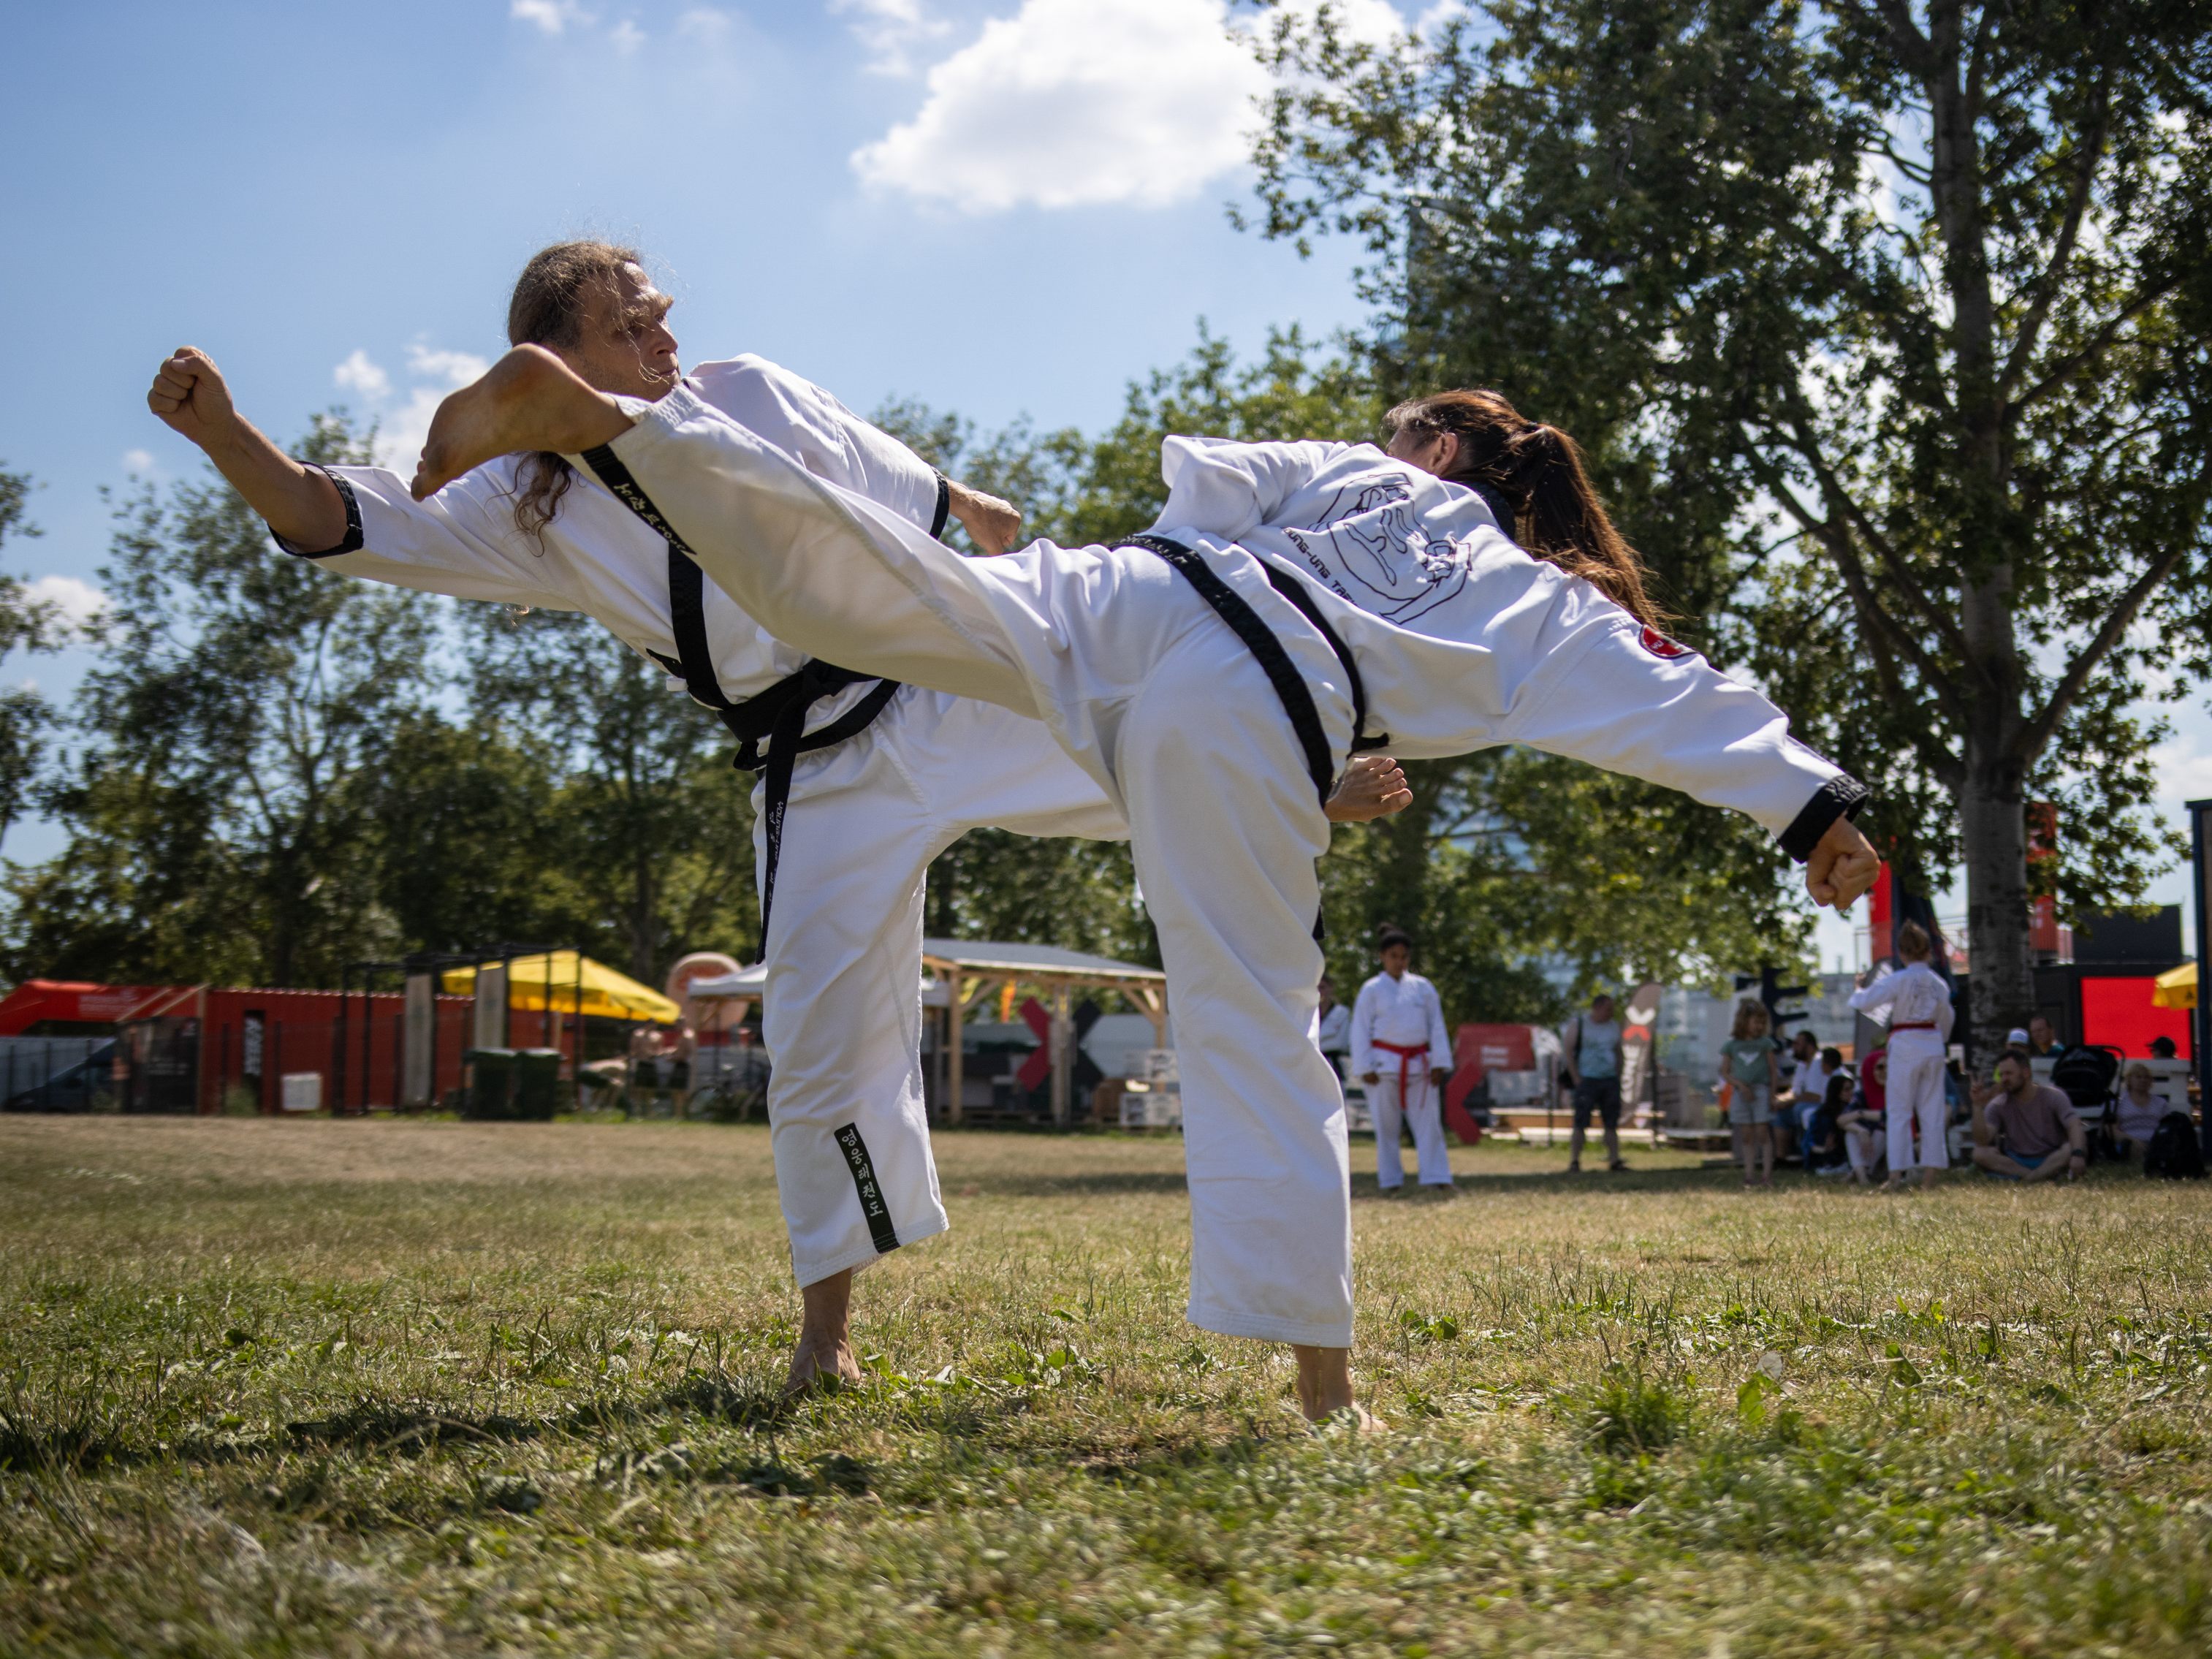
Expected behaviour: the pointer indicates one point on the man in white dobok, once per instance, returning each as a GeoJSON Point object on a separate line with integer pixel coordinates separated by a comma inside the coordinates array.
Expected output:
{"type": "Point", "coordinates": [863, 780]}
{"type": "Point", "coordinates": [1402, 1055]}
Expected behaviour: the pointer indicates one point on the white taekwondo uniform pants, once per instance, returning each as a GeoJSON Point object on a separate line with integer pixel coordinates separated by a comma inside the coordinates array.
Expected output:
{"type": "Point", "coordinates": [1420, 1109]}
{"type": "Point", "coordinates": [1174, 717]}
{"type": "Point", "coordinates": [1155, 696]}
{"type": "Point", "coordinates": [1916, 1092]}
{"type": "Point", "coordinates": [842, 1007]}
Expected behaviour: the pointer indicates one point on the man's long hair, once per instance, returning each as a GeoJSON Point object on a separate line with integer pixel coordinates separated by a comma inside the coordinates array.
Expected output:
{"type": "Point", "coordinates": [550, 298]}
{"type": "Point", "coordinates": [1538, 469]}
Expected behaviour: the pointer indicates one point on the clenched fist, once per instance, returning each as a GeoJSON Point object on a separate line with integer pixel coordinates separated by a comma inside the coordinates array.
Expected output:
{"type": "Point", "coordinates": [190, 396]}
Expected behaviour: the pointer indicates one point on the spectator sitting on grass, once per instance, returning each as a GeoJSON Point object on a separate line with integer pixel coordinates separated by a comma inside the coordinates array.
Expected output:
{"type": "Point", "coordinates": [2139, 1112]}
{"type": "Point", "coordinates": [1753, 1076]}
{"type": "Point", "coordinates": [1827, 1151]}
{"type": "Point", "coordinates": [1863, 1126]}
{"type": "Point", "coordinates": [2020, 1126]}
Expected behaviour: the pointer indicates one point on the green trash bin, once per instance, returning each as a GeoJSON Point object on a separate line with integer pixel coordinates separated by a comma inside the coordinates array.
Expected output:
{"type": "Point", "coordinates": [491, 1084]}
{"type": "Point", "coordinates": [536, 1084]}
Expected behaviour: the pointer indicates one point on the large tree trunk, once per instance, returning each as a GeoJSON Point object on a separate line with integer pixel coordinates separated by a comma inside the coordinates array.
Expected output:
{"type": "Point", "coordinates": [1993, 826]}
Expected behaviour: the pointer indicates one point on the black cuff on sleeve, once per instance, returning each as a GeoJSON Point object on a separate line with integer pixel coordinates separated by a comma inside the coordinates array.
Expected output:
{"type": "Point", "coordinates": [1840, 797]}
{"type": "Point", "coordinates": [944, 506]}
{"type": "Point", "coordinates": [353, 539]}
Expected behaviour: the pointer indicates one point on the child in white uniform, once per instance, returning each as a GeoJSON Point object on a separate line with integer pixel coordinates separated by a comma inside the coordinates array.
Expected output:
{"type": "Point", "coordinates": [1399, 1015]}
{"type": "Point", "coordinates": [1167, 669]}
{"type": "Point", "coordinates": [1920, 1016]}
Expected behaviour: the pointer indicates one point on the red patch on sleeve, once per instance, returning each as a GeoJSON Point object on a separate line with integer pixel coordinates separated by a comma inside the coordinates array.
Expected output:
{"type": "Point", "coordinates": [1660, 646]}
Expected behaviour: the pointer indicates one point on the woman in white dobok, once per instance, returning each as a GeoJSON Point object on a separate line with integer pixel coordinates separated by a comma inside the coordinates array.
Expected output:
{"type": "Point", "coordinates": [1294, 600]}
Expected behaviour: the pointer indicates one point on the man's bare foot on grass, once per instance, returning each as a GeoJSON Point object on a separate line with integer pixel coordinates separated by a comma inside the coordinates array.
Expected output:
{"type": "Point", "coordinates": [530, 399]}
{"type": "Point", "coordinates": [824, 1357]}
{"type": "Point", "coordinates": [1324, 1388]}
{"type": "Point", "coordinates": [825, 1364]}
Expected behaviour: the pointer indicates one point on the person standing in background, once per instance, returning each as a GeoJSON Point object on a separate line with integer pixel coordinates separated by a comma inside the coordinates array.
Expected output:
{"type": "Point", "coordinates": [1591, 1044]}
{"type": "Point", "coordinates": [1335, 1028]}
{"type": "Point", "coordinates": [1399, 1015]}
{"type": "Point", "coordinates": [1753, 1074]}
{"type": "Point", "coordinates": [1920, 1015]}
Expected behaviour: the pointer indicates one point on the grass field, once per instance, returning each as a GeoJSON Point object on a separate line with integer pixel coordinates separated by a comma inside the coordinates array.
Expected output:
{"type": "Point", "coordinates": [352, 1387]}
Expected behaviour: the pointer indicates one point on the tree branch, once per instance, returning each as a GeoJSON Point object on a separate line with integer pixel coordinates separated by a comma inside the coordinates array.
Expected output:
{"type": "Point", "coordinates": [2054, 274]}
{"type": "Point", "coordinates": [1881, 630]}
{"type": "Point", "coordinates": [1896, 569]}
{"type": "Point", "coordinates": [2038, 731]}
{"type": "Point", "coordinates": [2104, 337]}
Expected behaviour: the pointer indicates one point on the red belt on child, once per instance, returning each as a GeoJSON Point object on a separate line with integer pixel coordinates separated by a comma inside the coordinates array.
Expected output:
{"type": "Point", "coordinates": [1913, 1025]}
{"type": "Point", "coordinates": [1405, 1053]}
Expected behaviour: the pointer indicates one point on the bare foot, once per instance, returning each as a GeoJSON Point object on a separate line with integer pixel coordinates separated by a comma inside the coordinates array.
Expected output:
{"type": "Point", "coordinates": [529, 400]}
{"type": "Point", "coordinates": [1324, 1388]}
{"type": "Point", "coordinates": [827, 1363]}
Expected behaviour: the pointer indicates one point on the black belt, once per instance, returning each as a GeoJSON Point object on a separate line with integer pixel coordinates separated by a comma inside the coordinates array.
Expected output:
{"type": "Point", "coordinates": [777, 715]}
{"type": "Point", "coordinates": [1282, 673]}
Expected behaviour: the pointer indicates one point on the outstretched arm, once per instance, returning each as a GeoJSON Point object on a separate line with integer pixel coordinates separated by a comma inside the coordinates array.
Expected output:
{"type": "Point", "coordinates": [299, 503]}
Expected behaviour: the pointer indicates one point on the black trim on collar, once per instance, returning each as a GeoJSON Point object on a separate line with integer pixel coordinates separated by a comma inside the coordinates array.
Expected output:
{"type": "Point", "coordinates": [1840, 797]}
{"type": "Point", "coordinates": [944, 506]}
{"type": "Point", "coordinates": [352, 543]}
{"type": "Point", "coordinates": [1496, 504]}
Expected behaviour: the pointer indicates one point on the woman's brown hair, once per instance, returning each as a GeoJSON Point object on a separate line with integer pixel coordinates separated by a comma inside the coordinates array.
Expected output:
{"type": "Point", "coordinates": [1746, 1012]}
{"type": "Point", "coordinates": [1913, 943]}
{"type": "Point", "coordinates": [1538, 470]}
{"type": "Point", "coordinates": [550, 298]}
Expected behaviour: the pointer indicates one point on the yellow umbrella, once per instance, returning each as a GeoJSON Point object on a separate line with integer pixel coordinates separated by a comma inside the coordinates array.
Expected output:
{"type": "Point", "coordinates": [2176, 988]}
{"type": "Point", "coordinates": [549, 980]}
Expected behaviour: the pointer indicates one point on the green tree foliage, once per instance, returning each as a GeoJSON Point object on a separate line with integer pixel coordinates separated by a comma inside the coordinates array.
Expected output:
{"type": "Point", "coordinates": [238, 693]}
{"type": "Point", "coordinates": [25, 624]}
{"type": "Point", "coordinates": [282, 772]}
{"type": "Point", "coordinates": [651, 838]}
{"type": "Point", "coordinates": [1886, 326]}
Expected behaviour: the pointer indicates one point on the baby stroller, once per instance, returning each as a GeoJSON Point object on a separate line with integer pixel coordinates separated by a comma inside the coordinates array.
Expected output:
{"type": "Point", "coordinates": [2088, 1075]}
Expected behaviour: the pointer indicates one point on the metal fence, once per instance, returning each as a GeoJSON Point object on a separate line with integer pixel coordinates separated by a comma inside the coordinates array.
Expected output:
{"type": "Point", "coordinates": [57, 1074]}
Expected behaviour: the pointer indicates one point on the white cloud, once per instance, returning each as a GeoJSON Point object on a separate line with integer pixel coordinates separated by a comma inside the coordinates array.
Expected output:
{"type": "Point", "coordinates": [137, 462]}
{"type": "Point", "coordinates": [433, 371]}
{"type": "Point", "coordinates": [892, 30]}
{"type": "Point", "coordinates": [359, 374]}
{"type": "Point", "coordinates": [626, 37]}
{"type": "Point", "coordinates": [553, 16]}
{"type": "Point", "coordinates": [1073, 102]}
{"type": "Point", "coordinates": [78, 601]}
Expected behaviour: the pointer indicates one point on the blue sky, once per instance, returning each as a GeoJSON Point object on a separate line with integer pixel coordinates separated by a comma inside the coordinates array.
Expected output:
{"type": "Point", "coordinates": [998, 206]}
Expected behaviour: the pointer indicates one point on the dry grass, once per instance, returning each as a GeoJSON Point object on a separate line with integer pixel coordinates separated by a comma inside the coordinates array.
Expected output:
{"type": "Point", "coordinates": [442, 1388]}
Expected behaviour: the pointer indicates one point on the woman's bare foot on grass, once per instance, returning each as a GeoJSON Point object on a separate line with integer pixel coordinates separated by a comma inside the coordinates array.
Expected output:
{"type": "Point", "coordinates": [530, 399]}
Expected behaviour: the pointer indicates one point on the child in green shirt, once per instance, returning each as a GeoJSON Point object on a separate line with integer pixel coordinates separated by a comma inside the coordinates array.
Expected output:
{"type": "Point", "coordinates": [1748, 1066]}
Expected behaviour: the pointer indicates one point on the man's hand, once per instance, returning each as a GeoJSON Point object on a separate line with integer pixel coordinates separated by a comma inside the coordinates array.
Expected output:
{"type": "Point", "coordinates": [1371, 1078]}
{"type": "Point", "coordinates": [1842, 867]}
{"type": "Point", "coordinates": [190, 396]}
{"type": "Point", "coordinates": [299, 503]}
{"type": "Point", "coordinates": [1373, 787]}
{"type": "Point", "coordinates": [991, 524]}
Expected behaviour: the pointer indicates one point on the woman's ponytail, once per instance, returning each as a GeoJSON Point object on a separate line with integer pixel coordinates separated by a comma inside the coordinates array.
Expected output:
{"type": "Point", "coordinates": [1538, 470]}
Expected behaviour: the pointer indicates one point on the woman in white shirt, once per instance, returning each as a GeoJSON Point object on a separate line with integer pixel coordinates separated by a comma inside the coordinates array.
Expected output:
{"type": "Point", "coordinates": [1920, 1016]}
